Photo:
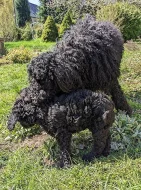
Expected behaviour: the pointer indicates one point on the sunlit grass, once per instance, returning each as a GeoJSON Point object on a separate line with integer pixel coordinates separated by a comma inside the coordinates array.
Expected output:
{"type": "Point", "coordinates": [25, 169]}
{"type": "Point", "coordinates": [36, 45]}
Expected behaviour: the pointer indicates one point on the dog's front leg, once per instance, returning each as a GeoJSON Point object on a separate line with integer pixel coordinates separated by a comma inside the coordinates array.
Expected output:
{"type": "Point", "coordinates": [64, 141]}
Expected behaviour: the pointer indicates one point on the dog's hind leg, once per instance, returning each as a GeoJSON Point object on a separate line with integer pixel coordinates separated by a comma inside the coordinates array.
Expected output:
{"type": "Point", "coordinates": [64, 141]}
{"type": "Point", "coordinates": [107, 148]}
{"type": "Point", "coordinates": [100, 144]}
{"type": "Point", "coordinates": [119, 98]}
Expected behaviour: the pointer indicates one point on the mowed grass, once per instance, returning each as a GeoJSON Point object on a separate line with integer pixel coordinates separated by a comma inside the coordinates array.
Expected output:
{"type": "Point", "coordinates": [36, 45]}
{"type": "Point", "coordinates": [13, 78]}
{"type": "Point", "coordinates": [29, 168]}
{"type": "Point", "coordinates": [25, 170]}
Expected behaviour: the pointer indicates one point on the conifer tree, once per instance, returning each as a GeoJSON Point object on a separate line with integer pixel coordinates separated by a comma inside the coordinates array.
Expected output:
{"type": "Point", "coordinates": [51, 8]}
{"type": "Point", "coordinates": [43, 12]}
{"type": "Point", "coordinates": [22, 12]}
{"type": "Point", "coordinates": [66, 23]}
{"type": "Point", "coordinates": [50, 32]}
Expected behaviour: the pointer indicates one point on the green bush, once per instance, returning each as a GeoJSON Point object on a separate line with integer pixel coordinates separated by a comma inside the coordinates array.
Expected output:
{"type": "Point", "coordinates": [4, 61]}
{"type": "Point", "coordinates": [27, 33]}
{"type": "Point", "coordinates": [38, 32]}
{"type": "Point", "coordinates": [126, 132]}
{"type": "Point", "coordinates": [50, 32]}
{"type": "Point", "coordinates": [19, 55]}
{"type": "Point", "coordinates": [125, 16]}
{"type": "Point", "coordinates": [18, 34]}
{"type": "Point", "coordinates": [66, 23]}
{"type": "Point", "coordinates": [58, 27]}
{"type": "Point", "coordinates": [37, 28]}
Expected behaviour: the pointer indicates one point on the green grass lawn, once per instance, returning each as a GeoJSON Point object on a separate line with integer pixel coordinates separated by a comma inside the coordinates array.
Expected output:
{"type": "Point", "coordinates": [28, 168]}
{"type": "Point", "coordinates": [36, 45]}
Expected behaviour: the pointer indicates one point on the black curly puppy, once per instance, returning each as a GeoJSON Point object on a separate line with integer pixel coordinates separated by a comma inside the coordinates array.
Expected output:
{"type": "Point", "coordinates": [68, 114]}
{"type": "Point", "coordinates": [88, 56]}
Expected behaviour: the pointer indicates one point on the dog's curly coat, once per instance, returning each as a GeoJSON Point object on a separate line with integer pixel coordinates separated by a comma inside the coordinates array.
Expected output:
{"type": "Point", "coordinates": [68, 114]}
{"type": "Point", "coordinates": [88, 56]}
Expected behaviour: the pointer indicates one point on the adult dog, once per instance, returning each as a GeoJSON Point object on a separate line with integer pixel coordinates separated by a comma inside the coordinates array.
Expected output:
{"type": "Point", "coordinates": [88, 56]}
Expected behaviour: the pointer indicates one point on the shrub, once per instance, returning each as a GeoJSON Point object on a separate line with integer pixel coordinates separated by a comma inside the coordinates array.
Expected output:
{"type": "Point", "coordinates": [27, 33]}
{"type": "Point", "coordinates": [4, 61]}
{"type": "Point", "coordinates": [37, 29]}
{"type": "Point", "coordinates": [66, 23]}
{"type": "Point", "coordinates": [126, 132]}
{"type": "Point", "coordinates": [19, 55]}
{"type": "Point", "coordinates": [58, 27]}
{"type": "Point", "coordinates": [38, 32]}
{"type": "Point", "coordinates": [126, 17]}
{"type": "Point", "coordinates": [50, 32]}
{"type": "Point", "coordinates": [17, 34]}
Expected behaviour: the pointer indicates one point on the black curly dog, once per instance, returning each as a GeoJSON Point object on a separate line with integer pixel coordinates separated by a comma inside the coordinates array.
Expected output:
{"type": "Point", "coordinates": [68, 114]}
{"type": "Point", "coordinates": [88, 57]}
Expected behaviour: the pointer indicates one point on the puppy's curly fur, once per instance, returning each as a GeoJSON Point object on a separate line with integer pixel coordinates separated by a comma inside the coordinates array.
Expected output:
{"type": "Point", "coordinates": [88, 56]}
{"type": "Point", "coordinates": [68, 114]}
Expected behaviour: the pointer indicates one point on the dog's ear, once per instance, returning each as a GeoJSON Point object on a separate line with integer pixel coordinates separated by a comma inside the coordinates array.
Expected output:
{"type": "Point", "coordinates": [105, 117]}
{"type": "Point", "coordinates": [108, 117]}
{"type": "Point", "coordinates": [12, 121]}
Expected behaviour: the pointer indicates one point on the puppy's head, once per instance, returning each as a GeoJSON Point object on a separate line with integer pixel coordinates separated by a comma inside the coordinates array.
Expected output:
{"type": "Point", "coordinates": [23, 111]}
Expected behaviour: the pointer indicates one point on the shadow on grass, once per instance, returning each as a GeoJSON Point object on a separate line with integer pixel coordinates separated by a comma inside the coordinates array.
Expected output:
{"type": "Point", "coordinates": [48, 153]}
{"type": "Point", "coordinates": [82, 148]}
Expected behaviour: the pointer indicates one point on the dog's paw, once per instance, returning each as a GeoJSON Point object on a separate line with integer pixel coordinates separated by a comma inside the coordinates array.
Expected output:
{"type": "Point", "coordinates": [88, 157]}
{"type": "Point", "coordinates": [63, 165]}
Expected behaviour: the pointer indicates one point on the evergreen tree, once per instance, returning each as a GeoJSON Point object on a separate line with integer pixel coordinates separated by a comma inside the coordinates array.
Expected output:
{"type": "Point", "coordinates": [27, 32]}
{"type": "Point", "coordinates": [50, 32]}
{"type": "Point", "coordinates": [66, 23]}
{"type": "Point", "coordinates": [44, 10]}
{"type": "Point", "coordinates": [47, 8]}
{"type": "Point", "coordinates": [22, 12]}
{"type": "Point", "coordinates": [59, 12]}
